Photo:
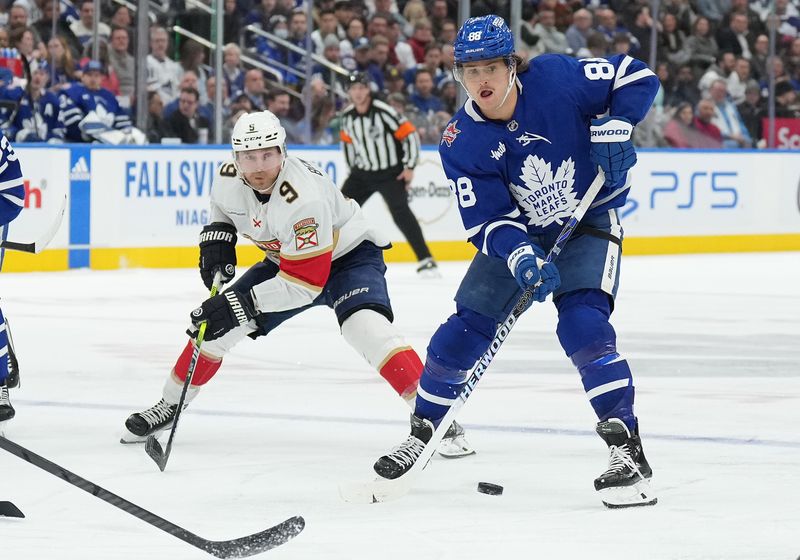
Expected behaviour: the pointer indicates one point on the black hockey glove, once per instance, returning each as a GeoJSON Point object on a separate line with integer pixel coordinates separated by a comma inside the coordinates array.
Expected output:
{"type": "Point", "coordinates": [217, 252]}
{"type": "Point", "coordinates": [224, 313]}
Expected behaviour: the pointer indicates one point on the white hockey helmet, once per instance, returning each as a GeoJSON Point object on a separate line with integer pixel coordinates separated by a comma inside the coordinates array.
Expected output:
{"type": "Point", "coordinates": [257, 131]}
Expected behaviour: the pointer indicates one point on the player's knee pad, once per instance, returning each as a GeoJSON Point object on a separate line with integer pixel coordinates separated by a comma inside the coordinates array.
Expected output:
{"type": "Point", "coordinates": [461, 340]}
{"type": "Point", "coordinates": [207, 365]}
{"type": "Point", "coordinates": [384, 348]}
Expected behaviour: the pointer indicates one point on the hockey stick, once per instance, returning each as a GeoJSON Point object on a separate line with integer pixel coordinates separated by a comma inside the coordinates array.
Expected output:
{"type": "Point", "coordinates": [7, 509]}
{"type": "Point", "coordinates": [153, 448]}
{"type": "Point", "coordinates": [382, 489]}
{"type": "Point", "coordinates": [235, 548]}
{"type": "Point", "coordinates": [43, 241]}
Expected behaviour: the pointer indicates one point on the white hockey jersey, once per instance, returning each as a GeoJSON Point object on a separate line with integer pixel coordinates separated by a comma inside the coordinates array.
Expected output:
{"type": "Point", "coordinates": [306, 224]}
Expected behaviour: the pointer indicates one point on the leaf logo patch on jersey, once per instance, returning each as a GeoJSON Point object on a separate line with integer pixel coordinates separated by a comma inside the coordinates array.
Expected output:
{"type": "Point", "coordinates": [546, 198]}
{"type": "Point", "coordinates": [450, 133]}
{"type": "Point", "coordinates": [305, 234]}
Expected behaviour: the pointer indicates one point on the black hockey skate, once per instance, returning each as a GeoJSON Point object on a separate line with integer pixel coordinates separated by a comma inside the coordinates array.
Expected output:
{"type": "Point", "coordinates": [626, 483]}
{"type": "Point", "coordinates": [12, 380]}
{"type": "Point", "coordinates": [427, 268]}
{"type": "Point", "coordinates": [154, 420]}
{"type": "Point", "coordinates": [6, 410]}
{"type": "Point", "coordinates": [402, 458]}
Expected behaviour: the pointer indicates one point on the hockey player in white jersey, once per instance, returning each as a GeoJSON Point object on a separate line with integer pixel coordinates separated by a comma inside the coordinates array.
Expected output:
{"type": "Point", "coordinates": [319, 251]}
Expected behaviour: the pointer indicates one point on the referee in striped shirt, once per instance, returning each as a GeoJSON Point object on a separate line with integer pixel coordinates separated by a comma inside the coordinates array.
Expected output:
{"type": "Point", "coordinates": [382, 148]}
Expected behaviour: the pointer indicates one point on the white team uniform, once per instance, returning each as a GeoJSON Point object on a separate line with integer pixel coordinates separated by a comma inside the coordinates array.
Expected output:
{"type": "Point", "coordinates": [164, 76]}
{"type": "Point", "coordinates": [306, 224]}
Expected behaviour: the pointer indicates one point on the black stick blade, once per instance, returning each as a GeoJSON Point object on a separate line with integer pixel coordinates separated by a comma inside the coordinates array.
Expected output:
{"type": "Point", "coordinates": [257, 542]}
{"type": "Point", "coordinates": [7, 509]}
{"type": "Point", "coordinates": [155, 452]}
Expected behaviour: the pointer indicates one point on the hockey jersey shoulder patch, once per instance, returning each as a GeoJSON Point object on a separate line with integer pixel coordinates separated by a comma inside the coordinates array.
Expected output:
{"type": "Point", "coordinates": [305, 234]}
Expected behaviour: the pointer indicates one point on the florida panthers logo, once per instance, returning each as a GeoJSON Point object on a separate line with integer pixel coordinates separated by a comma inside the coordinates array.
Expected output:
{"type": "Point", "coordinates": [545, 197]}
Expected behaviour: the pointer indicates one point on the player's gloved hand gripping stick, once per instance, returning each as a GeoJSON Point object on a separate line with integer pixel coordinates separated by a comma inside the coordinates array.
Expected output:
{"type": "Point", "coordinates": [382, 490]}
{"type": "Point", "coordinates": [153, 448]}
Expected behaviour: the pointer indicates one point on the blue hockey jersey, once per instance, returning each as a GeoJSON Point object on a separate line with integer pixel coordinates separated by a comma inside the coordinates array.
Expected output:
{"type": "Point", "coordinates": [528, 174]}
{"type": "Point", "coordinates": [12, 188]}
{"type": "Point", "coordinates": [41, 122]}
{"type": "Point", "coordinates": [77, 101]}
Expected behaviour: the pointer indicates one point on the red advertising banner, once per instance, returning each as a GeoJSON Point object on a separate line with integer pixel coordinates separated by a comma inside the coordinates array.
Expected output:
{"type": "Point", "coordinates": [787, 133]}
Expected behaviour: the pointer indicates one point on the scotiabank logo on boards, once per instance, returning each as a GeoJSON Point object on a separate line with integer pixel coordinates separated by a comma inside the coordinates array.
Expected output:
{"type": "Point", "coordinates": [787, 133]}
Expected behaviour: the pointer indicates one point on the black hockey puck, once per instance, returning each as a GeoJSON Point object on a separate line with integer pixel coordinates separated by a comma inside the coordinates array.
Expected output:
{"type": "Point", "coordinates": [489, 488]}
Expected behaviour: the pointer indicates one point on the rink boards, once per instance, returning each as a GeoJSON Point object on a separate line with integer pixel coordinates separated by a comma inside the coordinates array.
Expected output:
{"type": "Point", "coordinates": [144, 206]}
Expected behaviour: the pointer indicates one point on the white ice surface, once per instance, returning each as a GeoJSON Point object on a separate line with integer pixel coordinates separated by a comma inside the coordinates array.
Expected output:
{"type": "Point", "coordinates": [714, 343]}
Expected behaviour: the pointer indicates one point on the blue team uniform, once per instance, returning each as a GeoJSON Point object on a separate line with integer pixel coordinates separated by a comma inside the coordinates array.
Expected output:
{"type": "Point", "coordinates": [78, 100]}
{"type": "Point", "coordinates": [519, 181]}
{"type": "Point", "coordinates": [40, 122]}
{"type": "Point", "coordinates": [12, 198]}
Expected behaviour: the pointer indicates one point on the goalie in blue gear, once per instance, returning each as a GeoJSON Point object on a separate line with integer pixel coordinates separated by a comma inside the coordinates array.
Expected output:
{"type": "Point", "coordinates": [519, 156]}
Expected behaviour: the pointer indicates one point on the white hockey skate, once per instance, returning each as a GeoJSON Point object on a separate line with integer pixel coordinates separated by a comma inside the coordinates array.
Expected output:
{"type": "Point", "coordinates": [6, 410]}
{"type": "Point", "coordinates": [454, 444]}
{"type": "Point", "coordinates": [427, 268]}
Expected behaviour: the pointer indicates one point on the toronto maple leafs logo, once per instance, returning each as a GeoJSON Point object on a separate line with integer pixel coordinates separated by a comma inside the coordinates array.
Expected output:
{"type": "Point", "coordinates": [546, 198]}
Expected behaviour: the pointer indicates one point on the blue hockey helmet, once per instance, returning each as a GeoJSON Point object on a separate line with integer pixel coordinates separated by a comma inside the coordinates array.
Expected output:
{"type": "Point", "coordinates": [483, 38]}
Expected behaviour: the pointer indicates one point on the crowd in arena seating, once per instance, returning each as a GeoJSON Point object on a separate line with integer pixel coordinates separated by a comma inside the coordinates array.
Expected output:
{"type": "Point", "coordinates": [711, 56]}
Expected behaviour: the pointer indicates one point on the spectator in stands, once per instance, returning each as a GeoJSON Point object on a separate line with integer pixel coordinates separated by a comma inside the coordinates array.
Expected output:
{"type": "Point", "coordinates": [232, 22]}
{"type": "Point", "coordinates": [432, 62]}
{"type": "Point", "coordinates": [189, 80]}
{"type": "Point", "coordinates": [704, 125]}
{"type": "Point", "coordinates": [420, 39]}
{"type": "Point", "coordinates": [606, 20]}
{"type": "Point", "coordinates": [755, 25]}
{"type": "Point", "coordinates": [345, 14]}
{"type": "Point", "coordinates": [18, 15]}
{"type": "Point", "coordinates": [82, 28]}
{"type": "Point", "coordinates": [254, 88]}
{"type": "Point", "coordinates": [379, 55]}
{"type": "Point", "coordinates": [640, 32]}
{"type": "Point", "coordinates": [279, 103]}
{"type": "Point", "coordinates": [60, 57]}
{"type": "Point", "coordinates": [298, 29]}
{"type": "Point", "coordinates": [700, 49]}
{"type": "Point", "coordinates": [163, 73]}
{"type": "Point", "coordinates": [355, 30]}
{"type": "Point", "coordinates": [208, 109]}
{"type": "Point", "coordinates": [551, 40]}
{"type": "Point", "coordinates": [738, 80]}
{"type": "Point", "coordinates": [621, 44]}
{"type": "Point", "coordinates": [122, 62]}
{"type": "Point", "coordinates": [683, 12]}
{"type": "Point", "coordinates": [121, 17]}
{"type": "Point", "coordinates": [413, 12]}
{"type": "Point", "coordinates": [402, 48]}
{"type": "Point", "coordinates": [727, 118]}
{"type": "Point", "coordinates": [683, 88]}
{"type": "Point", "coordinates": [596, 46]}
{"type": "Point", "coordinates": [186, 123]}
{"type": "Point", "coordinates": [447, 34]}
{"type": "Point", "coordinates": [736, 37]}
{"type": "Point", "coordinates": [438, 15]}
{"type": "Point", "coordinates": [423, 96]}
{"type": "Point", "coordinates": [156, 127]}
{"type": "Point", "coordinates": [193, 56]}
{"type": "Point", "coordinates": [726, 61]}
{"type": "Point", "coordinates": [758, 64]}
{"type": "Point", "coordinates": [750, 110]}
{"type": "Point", "coordinates": [23, 39]}
{"type": "Point", "coordinates": [394, 82]}
{"type": "Point", "coordinates": [362, 62]}
{"type": "Point", "coordinates": [578, 32]}
{"type": "Point", "coordinates": [44, 28]}
{"type": "Point", "coordinates": [331, 54]}
{"type": "Point", "coordinates": [792, 58]}
{"type": "Point", "coordinates": [789, 17]}
{"type": "Point", "coordinates": [678, 129]}
{"type": "Point", "coordinates": [232, 68]}
{"type": "Point", "coordinates": [328, 26]}
{"type": "Point", "coordinates": [448, 93]}
{"type": "Point", "coordinates": [670, 39]}
{"type": "Point", "coordinates": [714, 10]}
{"type": "Point", "coordinates": [261, 13]}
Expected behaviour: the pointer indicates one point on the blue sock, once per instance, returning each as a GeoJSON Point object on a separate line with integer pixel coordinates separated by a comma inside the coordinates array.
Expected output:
{"type": "Point", "coordinates": [3, 349]}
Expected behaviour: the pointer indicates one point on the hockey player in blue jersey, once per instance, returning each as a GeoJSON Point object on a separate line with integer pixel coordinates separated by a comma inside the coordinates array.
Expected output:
{"type": "Point", "coordinates": [519, 156]}
{"type": "Point", "coordinates": [12, 197]}
{"type": "Point", "coordinates": [91, 112]}
{"type": "Point", "coordinates": [38, 116]}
